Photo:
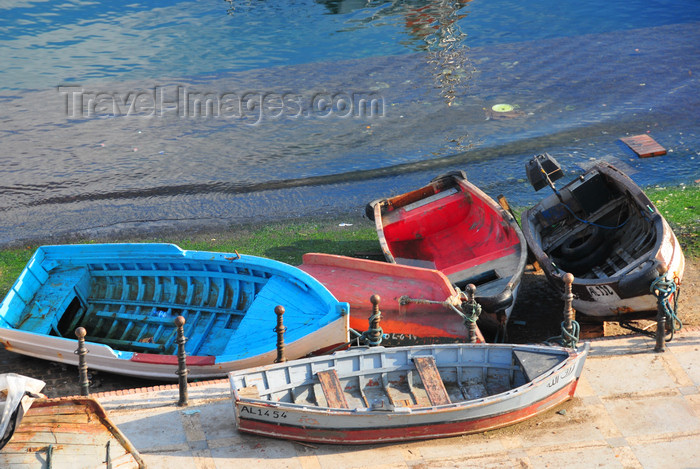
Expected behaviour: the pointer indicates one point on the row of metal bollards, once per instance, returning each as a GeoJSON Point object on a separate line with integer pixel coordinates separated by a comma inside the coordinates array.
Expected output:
{"type": "Point", "coordinates": [80, 332]}
{"type": "Point", "coordinates": [373, 337]}
{"type": "Point", "coordinates": [571, 327]}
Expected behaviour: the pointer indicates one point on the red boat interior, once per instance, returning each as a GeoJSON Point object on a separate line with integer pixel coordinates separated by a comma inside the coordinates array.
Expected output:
{"type": "Point", "coordinates": [452, 233]}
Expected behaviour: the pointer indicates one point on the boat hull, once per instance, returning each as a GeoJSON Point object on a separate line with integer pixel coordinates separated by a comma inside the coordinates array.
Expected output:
{"type": "Point", "coordinates": [127, 296]}
{"type": "Point", "coordinates": [375, 431]}
{"type": "Point", "coordinates": [164, 367]}
{"type": "Point", "coordinates": [372, 425]}
{"type": "Point", "coordinates": [454, 227]}
{"type": "Point", "coordinates": [67, 433]}
{"type": "Point", "coordinates": [417, 304]}
{"type": "Point", "coordinates": [613, 272]}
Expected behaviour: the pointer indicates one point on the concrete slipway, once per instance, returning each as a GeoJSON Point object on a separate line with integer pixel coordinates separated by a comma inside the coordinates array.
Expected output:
{"type": "Point", "coordinates": [634, 408]}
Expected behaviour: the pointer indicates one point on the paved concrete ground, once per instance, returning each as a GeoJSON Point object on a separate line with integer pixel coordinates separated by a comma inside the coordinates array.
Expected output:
{"type": "Point", "coordinates": [633, 409]}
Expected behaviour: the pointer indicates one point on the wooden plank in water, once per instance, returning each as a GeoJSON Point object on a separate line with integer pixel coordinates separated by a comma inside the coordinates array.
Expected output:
{"type": "Point", "coordinates": [332, 390]}
{"type": "Point", "coordinates": [644, 146]}
{"type": "Point", "coordinates": [432, 382]}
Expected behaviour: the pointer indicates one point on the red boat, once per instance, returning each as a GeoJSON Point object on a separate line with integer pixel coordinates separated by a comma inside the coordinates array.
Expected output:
{"type": "Point", "coordinates": [452, 226]}
{"type": "Point", "coordinates": [418, 306]}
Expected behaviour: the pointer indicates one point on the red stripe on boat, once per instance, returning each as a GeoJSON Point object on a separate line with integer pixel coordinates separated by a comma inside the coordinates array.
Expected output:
{"type": "Point", "coordinates": [172, 359]}
{"type": "Point", "coordinates": [405, 433]}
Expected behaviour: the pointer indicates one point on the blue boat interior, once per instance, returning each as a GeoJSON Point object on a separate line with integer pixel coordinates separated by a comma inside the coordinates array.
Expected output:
{"type": "Point", "coordinates": [130, 304]}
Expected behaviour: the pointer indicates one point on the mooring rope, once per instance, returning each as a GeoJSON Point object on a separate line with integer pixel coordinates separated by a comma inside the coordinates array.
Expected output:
{"type": "Point", "coordinates": [474, 315]}
{"type": "Point", "coordinates": [567, 339]}
{"type": "Point", "coordinates": [448, 303]}
{"type": "Point", "coordinates": [368, 335]}
{"type": "Point", "coordinates": [663, 288]}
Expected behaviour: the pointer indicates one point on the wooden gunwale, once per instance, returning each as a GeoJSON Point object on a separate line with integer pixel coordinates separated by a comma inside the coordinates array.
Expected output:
{"type": "Point", "coordinates": [384, 370]}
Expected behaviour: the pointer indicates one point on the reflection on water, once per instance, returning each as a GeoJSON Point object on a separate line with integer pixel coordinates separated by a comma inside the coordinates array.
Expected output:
{"type": "Point", "coordinates": [437, 24]}
{"type": "Point", "coordinates": [308, 107]}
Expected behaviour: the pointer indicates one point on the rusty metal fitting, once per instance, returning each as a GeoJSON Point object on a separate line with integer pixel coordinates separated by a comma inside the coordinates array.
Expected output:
{"type": "Point", "coordinates": [280, 329]}
{"type": "Point", "coordinates": [82, 352]}
{"type": "Point", "coordinates": [181, 360]}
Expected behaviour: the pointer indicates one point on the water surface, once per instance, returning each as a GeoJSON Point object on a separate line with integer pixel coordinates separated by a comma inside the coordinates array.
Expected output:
{"type": "Point", "coordinates": [201, 114]}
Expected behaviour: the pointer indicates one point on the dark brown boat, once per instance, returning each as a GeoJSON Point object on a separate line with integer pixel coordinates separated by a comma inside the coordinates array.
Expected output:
{"type": "Point", "coordinates": [603, 229]}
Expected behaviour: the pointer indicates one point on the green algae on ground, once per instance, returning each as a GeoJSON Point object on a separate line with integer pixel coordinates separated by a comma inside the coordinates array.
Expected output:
{"type": "Point", "coordinates": [680, 206]}
{"type": "Point", "coordinates": [283, 241]}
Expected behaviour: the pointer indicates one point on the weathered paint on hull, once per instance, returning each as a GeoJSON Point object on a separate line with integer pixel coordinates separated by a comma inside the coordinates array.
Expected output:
{"type": "Point", "coordinates": [404, 322]}
{"type": "Point", "coordinates": [374, 435]}
{"type": "Point", "coordinates": [127, 295]}
{"type": "Point", "coordinates": [539, 378]}
{"type": "Point", "coordinates": [163, 367]}
{"type": "Point", "coordinates": [623, 294]}
{"type": "Point", "coordinates": [80, 435]}
{"type": "Point", "coordinates": [612, 306]}
{"type": "Point", "coordinates": [481, 242]}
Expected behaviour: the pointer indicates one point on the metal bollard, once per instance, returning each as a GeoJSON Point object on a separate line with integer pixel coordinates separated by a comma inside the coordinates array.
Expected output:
{"type": "Point", "coordinates": [280, 329]}
{"type": "Point", "coordinates": [569, 312]}
{"type": "Point", "coordinates": [660, 321]}
{"type": "Point", "coordinates": [475, 312]}
{"type": "Point", "coordinates": [82, 351]}
{"type": "Point", "coordinates": [181, 360]}
{"type": "Point", "coordinates": [375, 332]}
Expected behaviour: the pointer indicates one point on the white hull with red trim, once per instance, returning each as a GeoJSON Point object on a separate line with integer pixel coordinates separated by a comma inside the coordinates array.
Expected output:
{"type": "Point", "coordinates": [377, 395]}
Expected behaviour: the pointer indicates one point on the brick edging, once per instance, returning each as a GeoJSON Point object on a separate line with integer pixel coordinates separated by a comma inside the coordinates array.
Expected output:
{"type": "Point", "coordinates": [161, 387]}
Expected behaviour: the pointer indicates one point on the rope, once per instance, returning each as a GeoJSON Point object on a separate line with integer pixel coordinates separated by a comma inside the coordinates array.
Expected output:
{"type": "Point", "coordinates": [404, 300]}
{"type": "Point", "coordinates": [567, 339]}
{"type": "Point", "coordinates": [368, 336]}
{"type": "Point", "coordinates": [474, 315]}
{"type": "Point", "coordinates": [663, 288]}
{"type": "Point", "coordinates": [593, 223]}
{"type": "Point", "coordinates": [467, 318]}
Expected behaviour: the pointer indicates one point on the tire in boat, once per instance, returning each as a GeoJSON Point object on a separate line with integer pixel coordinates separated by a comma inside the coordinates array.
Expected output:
{"type": "Point", "coordinates": [638, 283]}
{"type": "Point", "coordinates": [582, 244]}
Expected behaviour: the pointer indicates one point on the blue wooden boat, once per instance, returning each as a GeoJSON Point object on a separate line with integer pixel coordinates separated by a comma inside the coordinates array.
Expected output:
{"type": "Point", "coordinates": [127, 296]}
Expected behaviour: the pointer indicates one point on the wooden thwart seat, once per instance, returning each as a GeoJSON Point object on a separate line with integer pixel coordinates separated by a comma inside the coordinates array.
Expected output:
{"type": "Point", "coordinates": [432, 382]}
{"type": "Point", "coordinates": [332, 389]}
